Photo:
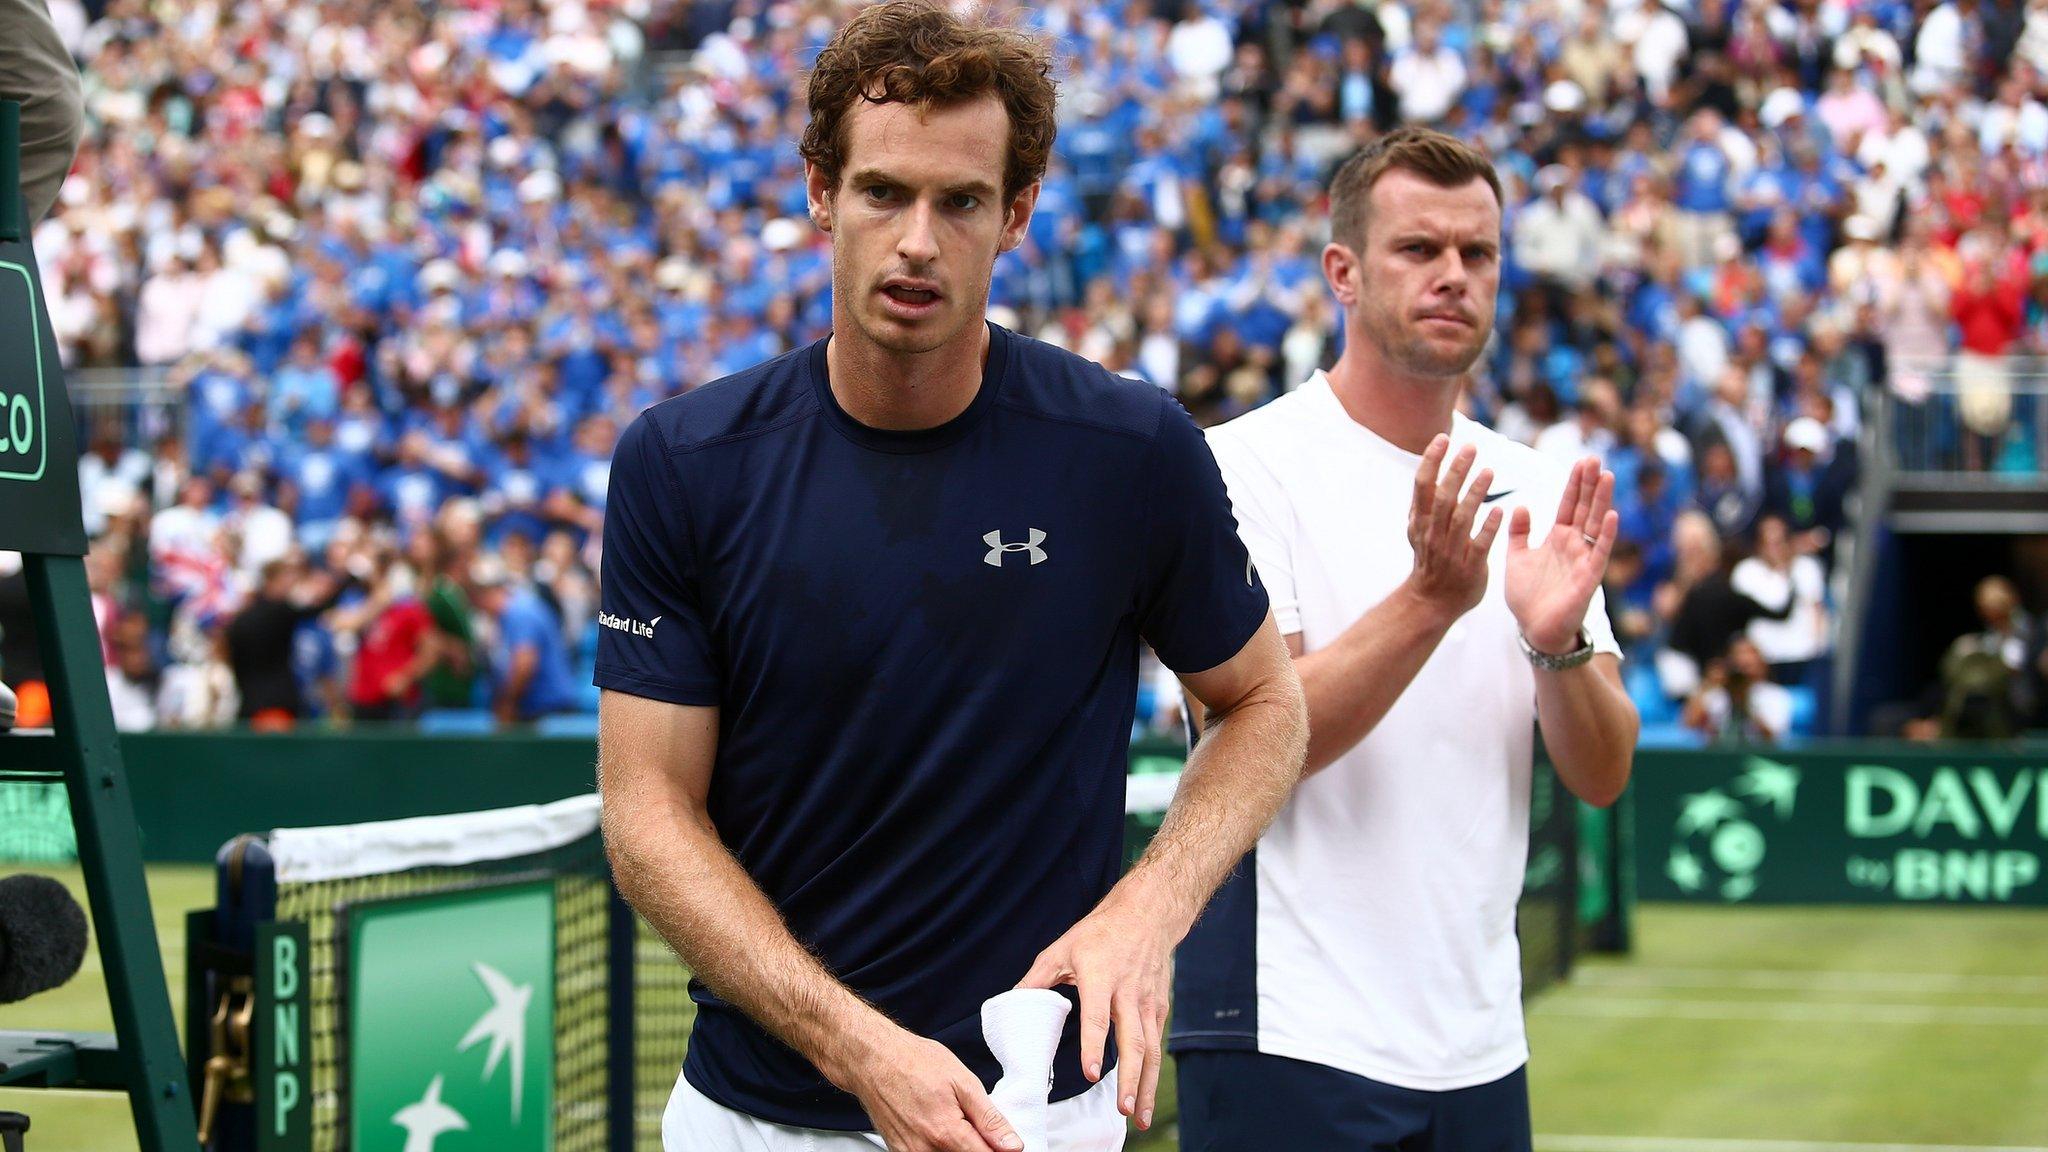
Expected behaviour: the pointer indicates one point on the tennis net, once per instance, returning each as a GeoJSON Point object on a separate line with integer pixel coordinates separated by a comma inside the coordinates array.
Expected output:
{"type": "Point", "coordinates": [407, 945]}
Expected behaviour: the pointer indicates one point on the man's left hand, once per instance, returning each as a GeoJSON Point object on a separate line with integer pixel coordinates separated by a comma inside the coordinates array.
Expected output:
{"type": "Point", "coordinates": [1121, 963]}
{"type": "Point", "coordinates": [1550, 586]}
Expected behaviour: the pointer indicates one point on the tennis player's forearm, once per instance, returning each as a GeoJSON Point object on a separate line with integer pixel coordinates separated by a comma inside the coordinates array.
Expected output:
{"type": "Point", "coordinates": [1241, 773]}
{"type": "Point", "coordinates": [1589, 728]}
{"type": "Point", "coordinates": [696, 895]}
{"type": "Point", "coordinates": [1352, 684]}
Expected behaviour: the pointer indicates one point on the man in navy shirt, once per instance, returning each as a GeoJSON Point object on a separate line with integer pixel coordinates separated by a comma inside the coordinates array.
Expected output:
{"type": "Point", "coordinates": [870, 626]}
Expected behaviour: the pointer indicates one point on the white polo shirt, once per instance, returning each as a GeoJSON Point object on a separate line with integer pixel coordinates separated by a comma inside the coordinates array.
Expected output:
{"type": "Point", "coordinates": [1380, 906]}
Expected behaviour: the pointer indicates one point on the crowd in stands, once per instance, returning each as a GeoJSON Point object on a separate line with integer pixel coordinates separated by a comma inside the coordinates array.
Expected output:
{"type": "Point", "coordinates": [412, 267]}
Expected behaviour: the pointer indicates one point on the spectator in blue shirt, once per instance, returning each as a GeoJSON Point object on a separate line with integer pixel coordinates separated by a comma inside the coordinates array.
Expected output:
{"type": "Point", "coordinates": [305, 388]}
{"type": "Point", "coordinates": [320, 476]}
{"type": "Point", "coordinates": [532, 661]}
{"type": "Point", "coordinates": [515, 490]}
{"type": "Point", "coordinates": [1700, 189]}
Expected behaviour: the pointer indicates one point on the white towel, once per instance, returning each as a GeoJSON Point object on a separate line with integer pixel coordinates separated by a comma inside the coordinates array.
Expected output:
{"type": "Point", "coordinates": [1022, 1027]}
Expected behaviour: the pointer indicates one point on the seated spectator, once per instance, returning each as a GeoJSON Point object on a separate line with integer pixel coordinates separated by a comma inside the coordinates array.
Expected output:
{"type": "Point", "coordinates": [1736, 702]}
{"type": "Point", "coordinates": [1590, 431]}
{"type": "Point", "coordinates": [1727, 501]}
{"type": "Point", "coordinates": [260, 532]}
{"type": "Point", "coordinates": [109, 475]}
{"type": "Point", "coordinates": [1809, 486]}
{"type": "Point", "coordinates": [1780, 568]}
{"type": "Point", "coordinates": [1985, 686]}
{"type": "Point", "coordinates": [305, 388]}
{"type": "Point", "coordinates": [132, 686]}
{"type": "Point", "coordinates": [1708, 612]}
{"type": "Point", "coordinates": [199, 688]}
{"type": "Point", "coordinates": [1628, 597]}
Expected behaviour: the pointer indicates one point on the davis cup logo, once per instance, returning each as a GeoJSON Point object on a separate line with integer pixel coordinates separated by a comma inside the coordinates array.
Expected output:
{"type": "Point", "coordinates": [452, 1029]}
{"type": "Point", "coordinates": [1718, 843]}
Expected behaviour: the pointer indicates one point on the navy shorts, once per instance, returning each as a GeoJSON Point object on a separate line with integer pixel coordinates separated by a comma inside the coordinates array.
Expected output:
{"type": "Point", "coordinates": [1252, 1102]}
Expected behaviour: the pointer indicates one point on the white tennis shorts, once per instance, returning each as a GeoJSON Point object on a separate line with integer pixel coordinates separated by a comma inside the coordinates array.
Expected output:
{"type": "Point", "coordinates": [694, 1122]}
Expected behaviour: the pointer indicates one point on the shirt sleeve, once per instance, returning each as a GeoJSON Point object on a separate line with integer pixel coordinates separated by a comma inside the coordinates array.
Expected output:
{"type": "Point", "coordinates": [1200, 599]}
{"type": "Point", "coordinates": [651, 640]}
{"type": "Point", "coordinates": [1264, 522]}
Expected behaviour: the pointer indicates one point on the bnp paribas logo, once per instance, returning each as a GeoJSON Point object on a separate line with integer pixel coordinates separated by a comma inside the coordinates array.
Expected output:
{"type": "Point", "coordinates": [452, 1022]}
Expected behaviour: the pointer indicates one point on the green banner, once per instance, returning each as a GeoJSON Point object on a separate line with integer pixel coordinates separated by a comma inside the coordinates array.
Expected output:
{"type": "Point", "coordinates": [1889, 824]}
{"type": "Point", "coordinates": [283, 1035]}
{"type": "Point", "coordinates": [451, 1021]}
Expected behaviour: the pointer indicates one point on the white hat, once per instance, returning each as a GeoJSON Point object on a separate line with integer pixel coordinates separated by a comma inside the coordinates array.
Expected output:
{"type": "Point", "coordinates": [1781, 105]}
{"type": "Point", "coordinates": [488, 571]}
{"type": "Point", "coordinates": [672, 273]}
{"type": "Point", "coordinates": [1807, 434]}
{"type": "Point", "coordinates": [781, 234]}
{"type": "Point", "coordinates": [440, 274]}
{"type": "Point", "coordinates": [539, 186]}
{"type": "Point", "coordinates": [508, 262]}
{"type": "Point", "coordinates": [1552, 176]}
{"type": "Point", "coordinates": [1564, 96]}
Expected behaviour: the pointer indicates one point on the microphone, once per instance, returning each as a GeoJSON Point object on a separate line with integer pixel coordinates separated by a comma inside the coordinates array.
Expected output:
{"type": "Point", "coordinates": [7, 706]}
{"type": "Point", "coordinates": [42, 936]}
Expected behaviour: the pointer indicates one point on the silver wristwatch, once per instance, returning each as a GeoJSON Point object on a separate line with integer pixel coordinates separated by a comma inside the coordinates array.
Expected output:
{"type": "Point", "coordinates": [1545, 662]}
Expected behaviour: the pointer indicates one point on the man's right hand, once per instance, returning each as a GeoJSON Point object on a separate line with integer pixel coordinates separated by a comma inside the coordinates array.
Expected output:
{"type": "Point", "coordinates": [923, 1099]}
{"type": "Point", "coordinates": [1450, 562]}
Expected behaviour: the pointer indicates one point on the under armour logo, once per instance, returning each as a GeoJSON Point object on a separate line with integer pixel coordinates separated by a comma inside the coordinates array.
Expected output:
{"type": "Point", "coordinates": [996, 548]}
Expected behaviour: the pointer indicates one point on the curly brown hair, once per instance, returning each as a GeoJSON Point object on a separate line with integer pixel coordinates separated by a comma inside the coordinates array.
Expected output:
{"type": "Point", "coordinates": [916, 52]}
{"type": "Point", "coordinates": [1444, 161]}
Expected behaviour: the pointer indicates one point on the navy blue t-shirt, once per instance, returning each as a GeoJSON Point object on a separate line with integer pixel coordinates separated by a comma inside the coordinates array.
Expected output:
{"type": "Point", "coordinates": [924, 649]}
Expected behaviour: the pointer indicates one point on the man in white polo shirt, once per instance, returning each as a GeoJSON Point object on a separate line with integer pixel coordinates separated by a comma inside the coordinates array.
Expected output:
{"type": "Point", "coordinates": [1356, 985]}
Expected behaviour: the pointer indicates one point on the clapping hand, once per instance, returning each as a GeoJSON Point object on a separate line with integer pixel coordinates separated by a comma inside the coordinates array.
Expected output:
{"type": "Point", "coordinates": [1551, 585]}
{"type": "Point", "coordinates": [1450, 561]}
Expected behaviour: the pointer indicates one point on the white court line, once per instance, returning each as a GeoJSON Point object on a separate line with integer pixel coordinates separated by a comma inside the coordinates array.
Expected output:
{"type": "Point", "coordinates": [1682, 1144]}
{"type": "Point", "coordinates": [1763, 979]}
{"type": "Point", "coordinates": [1791, 1011]}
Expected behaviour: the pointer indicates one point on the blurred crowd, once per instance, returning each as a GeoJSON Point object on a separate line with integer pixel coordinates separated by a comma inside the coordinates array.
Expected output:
{"type": "Point", "coordinates": [413, 266]}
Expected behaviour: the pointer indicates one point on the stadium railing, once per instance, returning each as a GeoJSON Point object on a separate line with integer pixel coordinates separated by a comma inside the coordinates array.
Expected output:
{"type": "Point", "coordinates": [138, 404]}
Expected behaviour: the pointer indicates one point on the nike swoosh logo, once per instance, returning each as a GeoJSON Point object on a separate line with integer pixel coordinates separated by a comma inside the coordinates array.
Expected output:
{"type": "Point", "coordinates": [1490, 497]}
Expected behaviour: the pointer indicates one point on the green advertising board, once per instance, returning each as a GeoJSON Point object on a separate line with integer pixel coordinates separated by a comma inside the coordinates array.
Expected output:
{"type": "Point", "coordinates": [39, 510]}
{"type": "Point", "coordinates": [1888, 824]}
{"type": "Point", "coordinates": [451, 1021]}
